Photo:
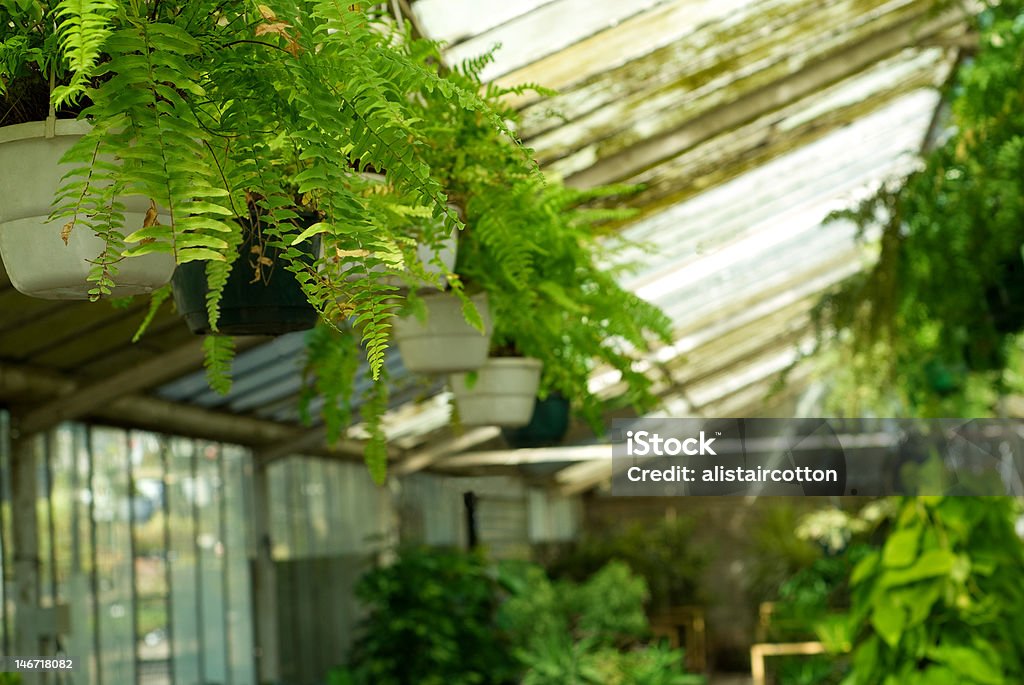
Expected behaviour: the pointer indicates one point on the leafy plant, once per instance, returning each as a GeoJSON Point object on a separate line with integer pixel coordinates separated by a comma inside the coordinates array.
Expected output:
{"type": "Point", "coordinates": [588, 633]}
{"type": "Point", "coordinates": [256, 124]}
{"type": "Point", "coordinates": [662, 553]}
{"type": "Point", "coordinates": [900, 326]}
{"type": "Point", "coordinates": [942, 601]}
{"type": "Point", "coordinates": [535, 247]}
{"type": "Point", "coordinates": [432, 620]}
{"type": "Point", "coordinates": [235, 118]}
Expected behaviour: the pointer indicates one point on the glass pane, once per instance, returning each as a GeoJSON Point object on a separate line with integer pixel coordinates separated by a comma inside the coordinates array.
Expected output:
{"type": "Point", "coordinates": [210, 551]}
{"type": "Point", "coordinates": [82, 640]}
{"type": "Point", "coordinates": [112, 514]}
{"type": "Point", "coordinates": [237, 513]}
{"type": "Point", "coordinates": [151, 570]}
{"type": "Point", "coordinates": [182, 496]}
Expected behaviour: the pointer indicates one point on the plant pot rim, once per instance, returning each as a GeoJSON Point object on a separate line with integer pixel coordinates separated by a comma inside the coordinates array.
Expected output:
{"type": "Point", "coordinates": [37, 129]}
{"type": "Point", "coordinates": [530, 362]}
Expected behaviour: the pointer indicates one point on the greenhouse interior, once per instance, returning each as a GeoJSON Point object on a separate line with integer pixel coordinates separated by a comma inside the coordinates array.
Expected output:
{"type": "Point", "coordinates": [544, 342]}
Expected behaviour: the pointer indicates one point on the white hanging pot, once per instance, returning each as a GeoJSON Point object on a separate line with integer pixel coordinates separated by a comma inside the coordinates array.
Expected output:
{"type": "Point", "coordinates": [444, 342]}
{"type": "Point", "coordinates": [503, 393]}
{"type": "Point", "coordinates": [34, 254]}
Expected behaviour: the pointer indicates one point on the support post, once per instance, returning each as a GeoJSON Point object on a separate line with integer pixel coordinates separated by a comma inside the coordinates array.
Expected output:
{"type": "Point", "coordinates": [265, 584]}
{"type": "Point", "coordinates": [24, 496]}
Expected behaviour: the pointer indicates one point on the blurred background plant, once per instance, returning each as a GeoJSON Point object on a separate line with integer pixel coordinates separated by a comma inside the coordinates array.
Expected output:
{"type": "Point", "coordinates": [662, 552]}
{"type": "Point", "coordinates": [902, 341]}
{"type": "Point", "coordinates": [941, 600]}
{"type": "Point", "coordinates": [437, 616]}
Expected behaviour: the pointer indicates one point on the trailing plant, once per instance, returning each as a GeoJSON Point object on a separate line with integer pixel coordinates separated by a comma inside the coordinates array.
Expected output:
{"type": "Point", "coordinates": [231, 118]}
{"type": "Point", "coordinates": [942, 600]}
{"type": "Point", "coordinates": [254, 124]}
{"type": "Point", "coordinates": [937, 316]}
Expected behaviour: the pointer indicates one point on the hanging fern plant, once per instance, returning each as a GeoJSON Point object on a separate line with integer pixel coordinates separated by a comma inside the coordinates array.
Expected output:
{"type": "Point", "coordinates": [537, 249]}
{"type": "Point", "coordinates": [229, 117]}
{"type": "Point", "coordinates": [226, 115]}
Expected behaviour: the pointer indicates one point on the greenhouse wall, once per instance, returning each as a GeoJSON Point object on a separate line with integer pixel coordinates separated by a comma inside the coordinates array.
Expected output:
{"type": "Point", "coordinates": [147, 550]}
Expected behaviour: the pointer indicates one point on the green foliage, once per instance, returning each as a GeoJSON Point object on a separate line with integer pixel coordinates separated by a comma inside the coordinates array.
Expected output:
{"type": "Point", "coordinates": [449, 617]}
{"type": "Point", "coordinates": [606, 610]}
{"type": "Point", "coordinates": [332, 360]}
{"type": "Point", "coordinates": [10, 679]}
{"type": "Point", "coordinates": [252, 125]}
{"type": "Point", "coordinates": [534, 246]}
{"type": "Point", "coordinates": [219, 352]}
{"type": "Point", "coordinates": [432, 621]}
{"type": "Point", "coordinates": [157, 299]}
{"type": "Point", "coordinates": [815, 669]}
{"type": "Point", "coordinates": [775, 554]}
{"type": "Point", "coordinates": [942, 601]}
{"type": "Point", "coordinates": [588, 633]}
{"type": "Point", "coordinates": [662, 553]}
{"type": "Point", "coordinates": [958, 219]}
{"type": "Point", "coordinates": [806, 600]}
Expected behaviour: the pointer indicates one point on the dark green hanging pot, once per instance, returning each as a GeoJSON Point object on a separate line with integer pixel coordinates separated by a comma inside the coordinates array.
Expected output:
{"type": "Point", "coordinates": [547, 426]}
{"type": "Point", "coordinates": [271, 304]}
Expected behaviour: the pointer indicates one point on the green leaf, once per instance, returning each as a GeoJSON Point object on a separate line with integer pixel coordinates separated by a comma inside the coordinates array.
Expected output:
{"type": "Point", "coordinates": [315, 229]}
{"type": "Point", "coordinates": [889, 621]}
{"type": "Point", "coordinates": [901, 547]}
{"type": "Point", "coordinates": [976, 665]}
{"type": "Point", "coordinates": [932, 563]}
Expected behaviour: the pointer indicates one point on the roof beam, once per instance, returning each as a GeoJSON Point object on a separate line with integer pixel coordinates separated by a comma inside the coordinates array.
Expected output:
{"type": "Point", "coordinates": [432, 454]}
{"type": "Point", "coordinates": [85, 398]}
{"type": "Point", "coordinates": [151, 413]}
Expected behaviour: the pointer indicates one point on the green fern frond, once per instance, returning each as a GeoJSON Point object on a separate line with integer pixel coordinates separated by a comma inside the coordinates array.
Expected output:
{"type": "Point", "coordinates": [82, 29]}
{"type": "Point", "coordinates": [219, 352]}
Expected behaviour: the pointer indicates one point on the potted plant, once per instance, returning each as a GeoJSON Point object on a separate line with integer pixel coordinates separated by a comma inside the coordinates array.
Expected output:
{"type": "Point", "coordinates": [547, 426]}
{"type": "Point", "coordinates": [445, 335]}
{"type": "Point", "coordinates": [44, 257]}
{"type": "Point", "coordinates": [502, 392]}
{"type": "Point", "coordinates": [260, 297]}
{"type": "Point", "coordinates": [535, 247]}
{"type": "Point", "coordinates": [203, 108]}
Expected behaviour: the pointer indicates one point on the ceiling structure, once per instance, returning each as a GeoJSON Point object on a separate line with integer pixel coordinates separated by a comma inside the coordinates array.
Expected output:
{"type": "Point", "coordinates": [746, 121]}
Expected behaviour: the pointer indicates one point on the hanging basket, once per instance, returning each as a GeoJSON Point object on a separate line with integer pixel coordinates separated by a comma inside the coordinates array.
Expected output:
{"type": "Point", "coordinates": [35, 256]}
{"type": "Point", "coordinates": [273, 304]}
{"type": "Point", "coordinates": [445, 342]}
{"type": "Point", "coordinates": [547, 426]}
{"type": "Point", "coordinates": [502, 394]}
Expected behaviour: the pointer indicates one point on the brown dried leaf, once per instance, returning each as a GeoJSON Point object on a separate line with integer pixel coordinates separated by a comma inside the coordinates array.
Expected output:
{"type": "Point", "coordinates": [266, 12]}
{"type": "Point", "coordinates": [65, 232]}
{"type": "Point", "coordinates": [256, 249]}
{"type": "Point", "coordinates": [265, 261]}
{"type": "Point", "coordinates": [152, 218]}
{"type": "Point", "coordinates": [276, 28]}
